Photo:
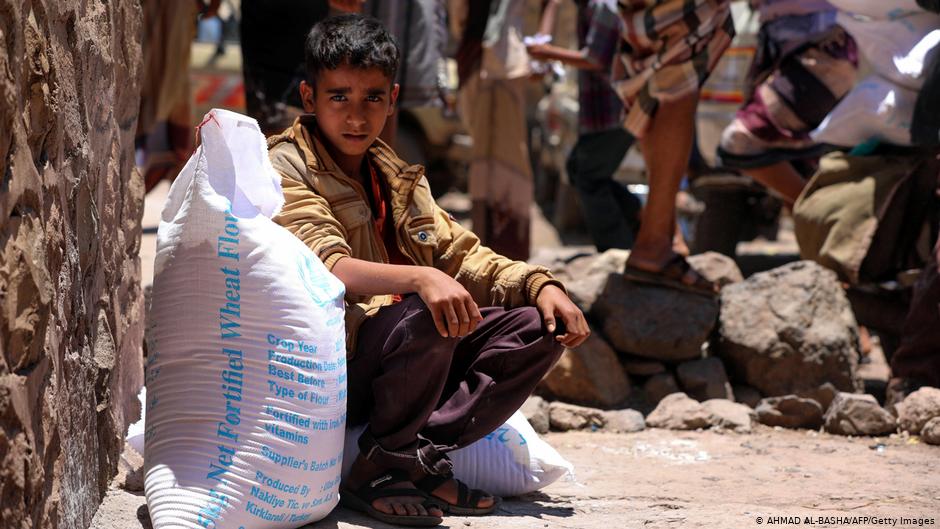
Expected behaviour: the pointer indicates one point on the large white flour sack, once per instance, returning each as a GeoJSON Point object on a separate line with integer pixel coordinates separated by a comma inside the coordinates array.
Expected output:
{"type": "Point", "coordinates": [246, 375]}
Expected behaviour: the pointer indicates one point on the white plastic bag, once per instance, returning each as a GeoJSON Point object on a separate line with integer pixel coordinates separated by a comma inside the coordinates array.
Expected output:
{"type": "Point", "coordinates": [511, 461]}
{"type": "Point", "coordinates": [135, 432]}
{"type": "Point", "coordinates": [246, 373]}
{"type": "Point", "coordinates": [897, 49]}
{"type": "Point", "coordinates": [874, 108]}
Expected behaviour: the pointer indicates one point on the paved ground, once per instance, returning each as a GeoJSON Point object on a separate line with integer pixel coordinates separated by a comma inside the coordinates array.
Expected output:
{"type": "Point", "coordinates": [664, 479]}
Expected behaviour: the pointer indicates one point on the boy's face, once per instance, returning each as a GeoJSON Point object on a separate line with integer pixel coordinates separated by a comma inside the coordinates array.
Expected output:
{"type": "Point", "coordinates": [351, 105]}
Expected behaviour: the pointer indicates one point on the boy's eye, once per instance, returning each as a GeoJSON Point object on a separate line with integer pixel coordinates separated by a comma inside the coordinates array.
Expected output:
{"type": "Point", "coordinates": [338, 98]}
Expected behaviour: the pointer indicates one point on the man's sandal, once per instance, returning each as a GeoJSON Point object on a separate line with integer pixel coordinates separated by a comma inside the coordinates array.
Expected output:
{"type": "Point", "coordinates": [671, 276]}
{"type": "Point", "coordinates": [382, 486]}
{"type": "Point", "coordinates": [467, 498]}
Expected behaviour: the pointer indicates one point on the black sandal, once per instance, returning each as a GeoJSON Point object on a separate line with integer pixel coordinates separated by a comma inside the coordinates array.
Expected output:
{"type": "Point", "coordinates": [671, 277]}
{"type": "Point", "coordinates": [467, 498]}
{"type": "Point", "coordinates": [382, 486]}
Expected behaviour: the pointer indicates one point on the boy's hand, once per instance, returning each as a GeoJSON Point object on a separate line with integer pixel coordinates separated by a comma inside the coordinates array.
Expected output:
{"type": "Point", "coordinates": [454, 311]}
{"type": "Point", "coordinates": [553, 302]}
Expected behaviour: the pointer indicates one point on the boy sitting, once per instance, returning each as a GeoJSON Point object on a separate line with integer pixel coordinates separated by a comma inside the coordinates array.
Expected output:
{"type": "Point", "coordinates": [446, 339]}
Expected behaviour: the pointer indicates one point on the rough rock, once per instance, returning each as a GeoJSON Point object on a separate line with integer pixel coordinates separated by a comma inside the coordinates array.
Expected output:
{"type": "Point", "coordinates": [788, 330]}
{"type": "Point", "coordinates": [658, 386]}
{"type": "Point", "coordinates": [679, 412]}
{"type": "Point", "coordinates": [535, 410]}
{"type": "Point", "coordinates": [746, 395]}
{"type": "Point", "coordinates": [588, 277]}
{"type": "Point", "coordinates": [717, 268]}
{"type": "Point", "coordinates": [790, 411]}
{"type": "Point", "coordinates": [590, 375]}
{"type": "Point", "coordinates": [824, 395]}
{"type": "Point", "coordinates": [918, 408]}
{"type": "Point", "coordinates": [559, 259]}
{"type": "Point", "coordinates": [634, 365]}
{"type": "Point", "coordinates": [704, 379]}
{"type": "Point", "coordinates": [70, 209]}
{"type": "Point", "coordinates": [654, 322]}
{"type": "Point", "coordinates": [858, 414]}
{"type": "Point", "coordinates": [564, 417]}
{"type": "Point", "coordinates": [623, 421]}
{"type": "Point", "coordinates": [130, 474]}
{"type": "Point", "coordinates": [930, 433]}
{"type": "Point", "coordinates": [729, 415]}
{"type": "Point", "coordinates": [567, 264]}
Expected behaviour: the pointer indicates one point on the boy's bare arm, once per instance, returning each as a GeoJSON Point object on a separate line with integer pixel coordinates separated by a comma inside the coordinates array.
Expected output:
{"type": "Point", "coordinates": [365, 278]}
{"type": "Point", "coordinates": [453, 309]}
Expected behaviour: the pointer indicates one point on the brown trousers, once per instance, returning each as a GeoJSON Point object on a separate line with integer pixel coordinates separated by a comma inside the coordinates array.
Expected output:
{"type": "Point", "coordinates": [424, 395]}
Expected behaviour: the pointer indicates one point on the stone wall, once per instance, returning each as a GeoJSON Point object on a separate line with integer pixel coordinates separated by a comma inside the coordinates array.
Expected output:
{"type": "Point", "coordinates": [70, 212]}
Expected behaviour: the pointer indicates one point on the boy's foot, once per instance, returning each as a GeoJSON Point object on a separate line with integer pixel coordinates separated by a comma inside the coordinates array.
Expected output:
{"type": "Point", "coordinates": [388, 495]}
{"type": "Point", "coordinates": [455, 497]}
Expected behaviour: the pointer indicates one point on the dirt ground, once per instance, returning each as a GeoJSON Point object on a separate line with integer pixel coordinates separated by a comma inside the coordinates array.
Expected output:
{"type": "Point", "coordinates": [663, 479]}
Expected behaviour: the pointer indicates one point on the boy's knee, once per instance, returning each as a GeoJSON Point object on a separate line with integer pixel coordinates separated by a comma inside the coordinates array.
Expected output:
{"type": "Point", "coordinates": [420, 322]}
{"type": "Point", "coordinates": [418, 314]}
{"type": "Point", "coordinates": [552, 351]}
{"type": "Point", "coordinates": [531, 320]}
{"type": "Point", "coordinates": [534, 330]}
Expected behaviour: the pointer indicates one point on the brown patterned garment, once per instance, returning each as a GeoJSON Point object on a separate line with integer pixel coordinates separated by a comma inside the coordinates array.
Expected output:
{"type": "Point", "coordinates": [804, 65]}
{"type": "Point", "coordinates": [669, 48]}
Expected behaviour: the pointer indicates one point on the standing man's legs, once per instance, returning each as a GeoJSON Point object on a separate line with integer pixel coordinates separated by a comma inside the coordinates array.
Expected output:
{"type": "Point", "coordinates": [500, 177]}
{"type": "Point", "coordinates": [666, 149]}
{"type": "Point", "coordinates": [672, 46]}
{"type": "Point", "coordinates": [782, 178]}
{"type": "Point", "coordinates": [611, 214]}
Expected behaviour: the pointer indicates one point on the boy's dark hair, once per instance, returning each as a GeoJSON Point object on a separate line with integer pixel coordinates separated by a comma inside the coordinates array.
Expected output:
{"type": "Point", "coordinates": [356, 40]}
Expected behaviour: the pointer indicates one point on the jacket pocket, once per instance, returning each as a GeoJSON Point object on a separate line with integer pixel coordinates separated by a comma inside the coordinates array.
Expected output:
{"type": "Point", "coordinates": [352, 214]}
{"type": "Point", "coordinates": [423, 238]}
